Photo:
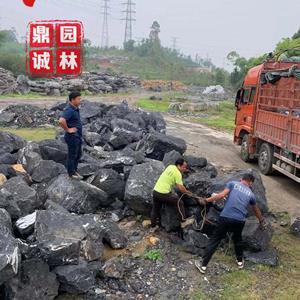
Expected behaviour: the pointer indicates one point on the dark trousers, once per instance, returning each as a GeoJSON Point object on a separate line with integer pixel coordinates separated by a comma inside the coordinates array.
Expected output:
{"type": "Point", "coordinates": [168, 199]}
{"type": "Point", "coordinates": [225, 226]}
{"type": "Point", "coordinates": [74, 152]}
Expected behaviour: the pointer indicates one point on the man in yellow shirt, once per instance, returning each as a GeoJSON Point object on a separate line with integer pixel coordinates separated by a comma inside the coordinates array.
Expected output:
{"type": "Point", "coordinates": [162, 193]}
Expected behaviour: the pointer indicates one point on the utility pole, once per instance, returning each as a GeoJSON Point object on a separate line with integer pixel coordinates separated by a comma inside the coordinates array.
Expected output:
{"type": "Point", "coordinates": [105, 36]}
{"type": "Point", "coordinates": [174, 43]}
{"type": "Point", "coordinates": [129, 19]}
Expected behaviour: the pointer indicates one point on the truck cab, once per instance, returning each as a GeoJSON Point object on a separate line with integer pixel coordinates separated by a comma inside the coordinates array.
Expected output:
{"type": "Point", "coordinates": [267, 121]}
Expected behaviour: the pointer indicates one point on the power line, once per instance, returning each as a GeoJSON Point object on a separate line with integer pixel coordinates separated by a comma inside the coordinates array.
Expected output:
{"type": "Point", "coordinates": [105, 35]}
{"type": "Point", "coordinates": [129, 18]}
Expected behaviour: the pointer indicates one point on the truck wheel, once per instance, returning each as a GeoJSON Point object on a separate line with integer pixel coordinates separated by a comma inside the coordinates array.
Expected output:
{"type": "Point", "coordinates": [265, 159]}
{"type": "Point", "coordinates": [244, 149]}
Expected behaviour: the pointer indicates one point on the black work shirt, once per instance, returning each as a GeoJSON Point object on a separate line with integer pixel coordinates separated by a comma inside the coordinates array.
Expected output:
{"type": "Point", "coordinates": [72, 116]}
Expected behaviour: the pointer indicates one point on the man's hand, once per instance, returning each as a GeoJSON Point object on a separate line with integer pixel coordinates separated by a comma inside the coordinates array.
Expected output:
{"type": "Point", "coordinates": [263, 224]}
{"type": "Point", "coordinates": [72, 130]}
{"type": "Point", "coordinates": [201, 201]}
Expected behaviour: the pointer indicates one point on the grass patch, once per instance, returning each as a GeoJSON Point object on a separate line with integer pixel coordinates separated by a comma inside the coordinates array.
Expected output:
{"type": "Point", "coordinates": [153, 105]}
{"type": "Point", "coordinates": [32, 134]}
{"type": "Point", "coordinates": [153, 255]}
{"type": "Point", "coordinates": [219, 117]}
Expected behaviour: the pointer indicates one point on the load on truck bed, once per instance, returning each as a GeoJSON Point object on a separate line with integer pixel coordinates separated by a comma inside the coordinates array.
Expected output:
{"type": "Point", "coordinates": [267, 124]}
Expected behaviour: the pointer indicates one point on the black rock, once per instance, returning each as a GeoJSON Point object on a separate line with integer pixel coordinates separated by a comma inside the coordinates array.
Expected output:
{"type": "Point", "coordinates": [124, 124]}
{"type": "Point", "coordinates": [93, 139]}
{"type": "Point", "coordinates": [295, 227]}
{"type": "Point", "coordinates": [76, 279]}
{"type": "Point", "coordinates": [268, 257]}
{"type": "Point", "coordinates": [87, 169]}
{"type": "Point", "coordinates": [29, 156]}
{"type": "Point", "coordinates": [113, 268]}
{"type": "Point", "coordinates": [59, 237]}
{"type": "Point", "coordinates": [7, 170]}
{"type": "Point", "coordinates": [23, 195]}
{"type": "Point", "coordinates": [199, 183]}
{"type": "Point", "coordinates": [10, 257]}
{"type": "Point", "coordinates": [5, 218]}
{"type": "Point", "coordinates": [11, 141]}
{"type": "Point", "coordinates": [156, 145]}
{"type": "Point", "coordinates": [254, 237]}
{"type": "Point", "coordinates": [50, 205]}
{"type": "Point", "coordinates": [54, 150]}
{"type": "Point", "coordinates": [25, 225]}
{"type": "Point", "coordinates": [34, 282]}
{"type": "Point", "coordinates": [140, 184]}
{"type": "Point", "coordinates": [117, 160]}
{"type": "Point", "coordinates": [62, 237]}
{"type": "Point", "coordinates": [41, 189]}
{"type": "Point", "coordinates": [194, 241]}
{"type": "Point", "coordinates": [121, 138]}
{"type": "Point", "coordinates": [46, 170]}
{"type": "Point", "coordinates": [91, 110]}
{"type": "Point", "coordinates": [110, 182]}
{"type": "Point", "coordinates": [77, 196]}
{"type": "Point", "coordinates": [136, 119]}
{"type": "Point", "coordinates": [7, 158]}
{"type": "Point", "coordinates": [7, 202]}
{"type": "Point", "coordinates": [195, 163]}
{"type": "Point", "coordinates": [171, 157]}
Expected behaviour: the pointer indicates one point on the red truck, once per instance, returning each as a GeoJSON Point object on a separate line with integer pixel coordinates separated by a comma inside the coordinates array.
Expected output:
{"type": "Point", "coordinates": [267, 123]}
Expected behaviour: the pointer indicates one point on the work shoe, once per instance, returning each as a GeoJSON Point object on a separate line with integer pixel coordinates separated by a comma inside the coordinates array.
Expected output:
{"type": "Point", "coordinates": [189, 221]}
{"type": "Point", "coordinates": [199, 266]}
{"type": "Point", "coordinates": [76, 176]}
{"type": "Point", "coordinates": [240, 264]}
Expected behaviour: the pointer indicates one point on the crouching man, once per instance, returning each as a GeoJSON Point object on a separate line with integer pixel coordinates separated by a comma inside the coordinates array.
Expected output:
{"type": "Point", "coordinates": [162, 193]}
{"type": "Point", "coordinates": [232, 218]}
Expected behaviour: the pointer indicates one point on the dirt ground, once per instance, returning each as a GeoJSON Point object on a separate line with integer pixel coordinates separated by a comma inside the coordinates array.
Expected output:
{"type": "Point", "coordinates": [282, 192]}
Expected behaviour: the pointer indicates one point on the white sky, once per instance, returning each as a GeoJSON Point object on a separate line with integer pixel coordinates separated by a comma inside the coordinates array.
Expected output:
{"type": "Point", "coordinates": [207, 27]}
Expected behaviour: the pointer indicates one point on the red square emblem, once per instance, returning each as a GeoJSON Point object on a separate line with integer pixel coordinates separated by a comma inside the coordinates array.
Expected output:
{"type": "Point", "coordinates": [41, 35]}
{"type": "Point", "coordinates": [41, 62]}
{"type": "Point", "coordinates": [68, 34]}
{"type": "Point", "coordinates": [68, 61]}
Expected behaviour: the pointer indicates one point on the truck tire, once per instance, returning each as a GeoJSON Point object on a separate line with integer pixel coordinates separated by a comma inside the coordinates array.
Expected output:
{"type": "Point", "coordinates": [265, 159]}
{"type": "Point", "coordinates": [244, 149]}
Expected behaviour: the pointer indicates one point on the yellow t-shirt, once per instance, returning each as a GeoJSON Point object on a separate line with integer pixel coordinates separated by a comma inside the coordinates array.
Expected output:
{"type": "Point", "coordinates": [168, 179]}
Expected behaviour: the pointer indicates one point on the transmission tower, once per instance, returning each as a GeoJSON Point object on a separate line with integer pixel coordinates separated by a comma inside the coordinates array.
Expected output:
{"type": "Point", "coordinates": [105, 13]}
{"type": "Point", "coordinates": [129, 19]}
{"type": "Point", "coordinates": [174, 43]}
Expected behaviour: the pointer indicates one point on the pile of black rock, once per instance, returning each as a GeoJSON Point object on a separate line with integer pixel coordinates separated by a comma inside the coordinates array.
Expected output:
{"type": "Point", "coordinates": [52, 229]}
{"type": "Point", "coordinates": [90, 82]}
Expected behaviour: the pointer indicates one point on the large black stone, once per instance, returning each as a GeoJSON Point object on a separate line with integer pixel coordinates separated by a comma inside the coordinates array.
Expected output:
{"type": "Point", "coordinates": [76, 279]}
{"type": "Point", "coordinates": [23, 195]}
{"type": "Point", "coordinates": [199, 183]}
{"type": "Point", "coordinates": [194, 241]}
{"type": "Point", "coordinates": [254, 237]}
{"type": "Point", "coordinates": [171, 157]}
{"type": "Point", "coordinates": [11, 141]}
{"type": "Point", "coordinates": [54, 150]}
{"type": "Point", "coordinates": [77, 196]}
{"type": "Point", "coordinates": [140, 184]}
{"type": "Point", "coordinates": [268, 257]}
{"type": "Point", "coordinates": [46, 170]}
{"type": "Point", "coordinates": [110, 182]}
{"type": "Point", "coordinates": [169, 218]}
{"type": "Point", "coordinates": [29, 156]}
{"type": "Point", "coordinates": [10, 256]}
{"type": "Point", "coordinates": [122, 137]}
{"type": "Point", "coordinates": [156, 145]}
{"type": "Point", "coordinates": [7, 158]}
{"type": "Point", "coordinates": [34, 282]}
{"type": "Point", "coordinates": [8, 203]}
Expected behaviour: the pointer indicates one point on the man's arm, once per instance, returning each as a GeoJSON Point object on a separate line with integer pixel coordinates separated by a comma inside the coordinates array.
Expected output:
{"type": "Point", "coordinates": [183, 189]}
{"type": "Point", "coordinates": [63, 123]}
{"type": "Point", "coordinates": [219, 196]}
{"type": "Point", "coordinates": [258, 213]}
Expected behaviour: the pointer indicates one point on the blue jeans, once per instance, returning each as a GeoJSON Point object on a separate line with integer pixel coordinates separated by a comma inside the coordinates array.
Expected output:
{"type": "Point", "coordinates": [74, 143]}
